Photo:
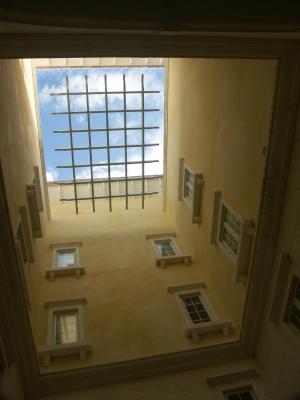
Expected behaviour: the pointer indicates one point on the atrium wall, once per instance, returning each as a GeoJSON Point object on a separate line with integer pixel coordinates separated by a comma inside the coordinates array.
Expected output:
{"type": "Point", "coordinates": [219, 121]}
{"type": "Point", "coordinates": [19, 153]}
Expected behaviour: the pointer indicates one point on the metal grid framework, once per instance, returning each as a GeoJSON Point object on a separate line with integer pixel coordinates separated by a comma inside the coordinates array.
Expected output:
{"type": "Point", "coordinates": [108, 147]}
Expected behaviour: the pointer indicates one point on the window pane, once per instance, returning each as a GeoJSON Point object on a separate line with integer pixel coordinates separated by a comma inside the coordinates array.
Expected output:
{"type": "Point", "coordinates": [165, 247]}
{"type": "Point", "coordinates": [65, 258]}
{"type": "Point", "coordinates": [195, 309]}
{"type": "Point", "coordinates": [66, 327]}
{"type": "Point", "coordinates": [294, 313]}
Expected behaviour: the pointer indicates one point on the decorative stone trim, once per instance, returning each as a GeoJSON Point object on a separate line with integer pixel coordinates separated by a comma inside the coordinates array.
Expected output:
{"type": "Point", "coordinates": [232, 377]}
{"type": "Point", "coordinates": [33, 206]}
{"type": "Point", "coordinates": [198, 183]}
{"type": "Point", "coordinates": [163, 262]}
{"type": "Point", "coordinates": [47, 353]}
{"type": "Point", "coordinates": [186, 287]}
{"type": "Point", "coordinates": [64, 244]}
{"type": "Point", "coordinates": [207, 327]}
{"type": "Point", "coordinates": [65, 303]}
{"type": "Point", "coordinates": [52, 273]}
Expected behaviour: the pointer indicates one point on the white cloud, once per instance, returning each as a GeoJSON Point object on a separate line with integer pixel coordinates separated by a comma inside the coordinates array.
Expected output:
{"type": "Point", "coordinates": [51, 174]}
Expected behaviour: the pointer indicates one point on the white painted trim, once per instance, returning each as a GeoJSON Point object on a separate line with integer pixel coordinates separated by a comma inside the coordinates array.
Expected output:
{"type": "Point", "coordinates": [64, 244]}
{"type": "Point", "coordinates": [53, 350]}
{"type": "Point", "coordinates": [73, 270]}
{"type": "Point", "coordinates": [37, 183]}
{"type": "Point", "coordinates": [186, 287]}
{"type": "Point", "coordinates": [164, 261]}
{"type": "Point", "coordinates": [173, 244]}
{"type": "Point", "coordinates": [180, 179]}
{"type": "Point", "coordinates": [198, 182]}
{"type": "Point", "coordinates": [65, 303]}
{"type": "Point", "coordinates": [195, 330]}
{"type": "Point", "coordinates": [47, 353]}
{"type": "Point", "coordinates": [241, 260]}
{"type": "Point", "coordinates": [26, 232]}
{"type": "Point", "coordinates": [160, 235]}
{"type": "Point", "coordinates": [52, 273]}
{"type": "Point", "coordinates": [21, 266]}
{"type": "Point", "coordinates": [33, 206]}
{"type": "Point", "coordinates": [215, 218]}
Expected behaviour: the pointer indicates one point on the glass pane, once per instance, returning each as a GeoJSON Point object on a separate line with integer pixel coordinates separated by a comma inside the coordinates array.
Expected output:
{"type": "Point", "coordinates": [66, 327]}
{"type": "Point", "coordinates": [65, 258]}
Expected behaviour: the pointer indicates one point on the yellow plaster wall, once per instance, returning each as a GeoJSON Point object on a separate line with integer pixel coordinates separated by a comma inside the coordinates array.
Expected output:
{"type": "Point", "coordinates": [129, 313]}
{"type": "Point", "coordinates": [19, 152]}
{"type": "Point", "coordinates": [218, 121]}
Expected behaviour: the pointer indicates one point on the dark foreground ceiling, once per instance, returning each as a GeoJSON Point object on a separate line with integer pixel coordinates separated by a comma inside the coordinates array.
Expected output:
{"type": "Point", "coordinates": [175, 15]}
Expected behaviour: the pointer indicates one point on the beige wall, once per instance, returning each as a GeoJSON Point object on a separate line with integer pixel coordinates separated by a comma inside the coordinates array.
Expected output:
{"type": "Point", "coordinates": [19, 152]}
{"type": "Point", "coordinates": [218, 121]}
{"type": "Point", "coordinates": [129, 313]}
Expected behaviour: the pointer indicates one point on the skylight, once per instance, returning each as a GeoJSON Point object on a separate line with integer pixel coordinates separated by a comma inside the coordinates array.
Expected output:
{"type": "Point", "coordinates": [102, 125]}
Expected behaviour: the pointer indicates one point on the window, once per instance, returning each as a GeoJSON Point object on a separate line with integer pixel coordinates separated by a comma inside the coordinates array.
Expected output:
{"type": "Point", "coordinates": [199, 314]}
{"type": "Point", "coordinates": [240, 394]}
{"type": "Point", "coordinates": [65, 260]}
{"type": "Point", "coordinates": [233, 235]}
{"type": "Point", "coordinates": [195, 308]}
{"type": "Point", "coordinates": [66, 326]}
{"type": "Point", "coordinates": [230, 229]}
{"type": "Point", "coordinates": [293, 304]}
{"type": "Point", "coordinates": [165, 247]}
{"type": "Point", "coordinates": [22, 261]}
{"type": "Point", "coordinates": [23, 236]}
{"type": "Point", "coordinates": [21, 239]}
{"type": "Point", "coordinates": [190, 190]}
{"type": "Point", "coordinates": [65, 333]}
{"type": "Point", "coordinates": [167, 251]}
{"type": "Point", "coordinates": [188, 185]}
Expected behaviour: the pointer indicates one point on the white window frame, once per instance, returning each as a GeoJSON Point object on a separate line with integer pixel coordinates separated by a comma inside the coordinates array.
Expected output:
{"type": "Point", "coordinates": [294, 279]}
{"type": "Point", "coordinates": [23, 265]}
{"type": "Point", "coordinates": [164, 261]}
{"type": "Point", "coordinates": [56, 271]}
{"type": "Point", "coordinates": [53, 350]}
{"type": "Point", "coordinates": [241, 260]}
{"type": "Point", "coordinates": [196, 198]}
{"type": "Point", "coordinates": [37, 183]}
{"type": "Point", "coordinates": [238, 390]}
{"type": "Point", "coordinates": [194, 331]}
{"type": "Point", "coordinates": [24, 221]}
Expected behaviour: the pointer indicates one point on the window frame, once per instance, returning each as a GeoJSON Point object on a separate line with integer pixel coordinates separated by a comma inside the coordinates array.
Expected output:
{"type": "Point", "coordinates": [51, 323]}
{"type": "Point", "coordinates": [173, 245]}
{"type": "Point", "coordinates": [195, 200]}
{"type": "Point", "coordinates": [239, 390]}
{"type": "Point", "coordinates": [294, 282]}
{"type": "Point", "coordinates": [23, 264]}
{"type": "Point", "coordinates": [56, 271]}
{"type": "Point", "coordinates": [195, 330]}
{"type": "Point", "coordinates": [52, 349]}
{"type": "Point", "coordinates": [58, 251]}
{"type": "Point", "coordinates": [164, 261]}
{"type": "Point", "coordinates": [242, 258]}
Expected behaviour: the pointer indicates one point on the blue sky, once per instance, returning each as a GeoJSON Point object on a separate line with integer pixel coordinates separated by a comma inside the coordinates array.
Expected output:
{"type": "Point", "coordinates": [53, 80]}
